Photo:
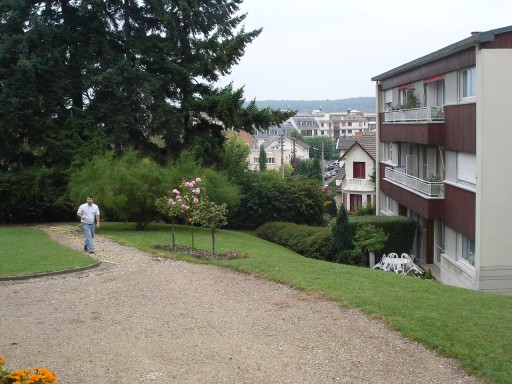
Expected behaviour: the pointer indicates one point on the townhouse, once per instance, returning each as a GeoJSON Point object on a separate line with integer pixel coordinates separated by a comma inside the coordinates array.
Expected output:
{"type": "Point", "coordinates": [444, 145]}
{"type": "Point", "coordinates": [354, 184]}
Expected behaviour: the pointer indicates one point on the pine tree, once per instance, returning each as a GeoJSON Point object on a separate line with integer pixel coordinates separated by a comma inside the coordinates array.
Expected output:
{"type": "Point", "coordinates": [79, 77]}
{"type": "Point", "coordinates": [262, 158]}
{"type": "Point", "coordinates": [342, 236]}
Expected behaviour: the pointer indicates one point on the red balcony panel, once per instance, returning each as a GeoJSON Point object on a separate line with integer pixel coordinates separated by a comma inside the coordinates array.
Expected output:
{"type": "Point", "coordinates": [429, 209]}
{"type": "Point", "coordinates": [418, 133]}
{"type": "Point", "coordinates": [460, 210]}
{"type": "Point", "coordinates": [460, 127]}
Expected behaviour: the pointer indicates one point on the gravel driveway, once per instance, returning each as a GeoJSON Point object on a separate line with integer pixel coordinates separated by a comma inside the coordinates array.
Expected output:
{"type": "Point", "coordinates": [141, 319]}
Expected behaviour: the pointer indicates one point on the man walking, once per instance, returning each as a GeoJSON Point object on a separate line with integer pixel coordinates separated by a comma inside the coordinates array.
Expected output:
{"type": "Point", "coordinates": [87, 212]}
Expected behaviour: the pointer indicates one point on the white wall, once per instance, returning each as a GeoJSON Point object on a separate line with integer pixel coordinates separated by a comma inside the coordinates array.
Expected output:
{"type": "Point", "coordinates": [494, 162]}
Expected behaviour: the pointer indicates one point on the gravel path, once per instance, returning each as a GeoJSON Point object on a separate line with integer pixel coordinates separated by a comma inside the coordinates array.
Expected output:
{"type": "Point", "coordinates": [141, 319]}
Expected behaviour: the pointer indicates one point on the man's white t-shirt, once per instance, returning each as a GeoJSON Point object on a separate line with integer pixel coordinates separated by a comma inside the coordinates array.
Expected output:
{"type": "Point", "coordinates": [88, 213]}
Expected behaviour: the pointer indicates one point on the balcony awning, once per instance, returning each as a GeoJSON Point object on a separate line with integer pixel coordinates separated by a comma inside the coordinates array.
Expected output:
{"type": "Point", "coordinates": [408, 85]}
{"type": "Point", "coordinates": [432, 78]}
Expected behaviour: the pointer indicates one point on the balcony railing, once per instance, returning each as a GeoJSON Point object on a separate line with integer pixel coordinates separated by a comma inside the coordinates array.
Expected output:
{"type": "Point", "coordinates": [426, 188]}
{"type": "Point", "coordinates": [416, 114]}
{"type": "Point", "coordinates": [359, 185]}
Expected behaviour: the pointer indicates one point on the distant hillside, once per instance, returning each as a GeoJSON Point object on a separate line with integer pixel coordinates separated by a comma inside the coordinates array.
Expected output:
{"type": "Point", "coordinates": [364, 104]}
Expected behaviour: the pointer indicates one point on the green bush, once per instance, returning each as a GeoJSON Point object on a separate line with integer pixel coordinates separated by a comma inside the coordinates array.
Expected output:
{"type": "Point", "coordinates": [312, 242]}
{"type": "Point", "coordinates": [350, 257]}
{"type": "Point", "coordinates": [399, 229]}
{"type": "Point", "coordinates": [267, 197]}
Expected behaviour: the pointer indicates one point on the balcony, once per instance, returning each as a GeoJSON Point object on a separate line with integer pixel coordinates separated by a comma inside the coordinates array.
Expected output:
{"type": "Point", "coordinates": [425, 114]}
{"type": "Point", "coordinates": [355, 185]}
{"type": "Point", "coordinates": [428, 189]}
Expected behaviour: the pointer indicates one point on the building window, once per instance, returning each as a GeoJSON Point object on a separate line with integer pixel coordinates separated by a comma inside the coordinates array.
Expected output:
{"type": "Point", "coordinates": [255, 160]}
{"type": "Point", "coordinates": [402, 96]}
{"type": "Point", "coordinates": [466, 249]}
{"type": "Point", "coordinates": [359, 170]}
{"type": "Point", "coordinates": [388, 99]}
{"type": "Point", "coordinates": [466, 169]}
{"type": "Point", "coordinates": [271, 160]}
{"type": "Point", "coordinates": [387, 151]}
{"type": "Point", "coordinates": [468, 83]}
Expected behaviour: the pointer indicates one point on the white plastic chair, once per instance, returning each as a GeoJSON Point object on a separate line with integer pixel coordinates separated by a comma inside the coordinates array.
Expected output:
{"type": "Point", "coordinates": [410, 266]}
{"type": "Point", "coordinates": [381, 263]}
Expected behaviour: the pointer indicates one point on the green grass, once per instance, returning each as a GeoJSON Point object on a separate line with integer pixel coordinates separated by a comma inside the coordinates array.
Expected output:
{"type": "Point", "coordinates": [473, 327]}
{"type": "Point", "coordinates": [25, 251]}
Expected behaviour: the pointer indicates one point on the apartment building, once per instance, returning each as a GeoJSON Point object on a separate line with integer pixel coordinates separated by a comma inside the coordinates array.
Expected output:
{"type": "Point", "coordinates": [444, 146]}
{"type": "Point", "coordinates": [332, 124]}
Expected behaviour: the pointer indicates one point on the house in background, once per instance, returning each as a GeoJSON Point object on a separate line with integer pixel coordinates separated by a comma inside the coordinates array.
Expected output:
{"type": "Point", "coordinates": [443, 157]}
{"type": "Point", "coordinates": [355, 188]}
{"type": "Point", "coordinates": [279, 148]}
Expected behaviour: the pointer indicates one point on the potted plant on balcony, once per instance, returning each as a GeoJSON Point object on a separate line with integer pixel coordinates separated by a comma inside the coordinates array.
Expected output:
{"type": "Point", "coordinates": [411, 100]}
{"type": "Point", "coordinates": [434, 178]}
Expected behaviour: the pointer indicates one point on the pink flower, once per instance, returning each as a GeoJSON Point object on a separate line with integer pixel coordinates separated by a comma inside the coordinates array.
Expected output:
{"type": "Point", "coordinates": [171, 201]}
{"type": "Point", "coordinates": [175, 191]}
{"type": "Point", "coordinates": [184, 207]}
{"type": "Point", "coordinates": [196, 200]}
{"type": "Point", "coordinates": [198, 179]}
{"type": "Point", "coordinates": [197, 191]}
{"type": "Point", "coordinates": [191, 183]}
{"type": "Point", "coordinates": [186, 184]}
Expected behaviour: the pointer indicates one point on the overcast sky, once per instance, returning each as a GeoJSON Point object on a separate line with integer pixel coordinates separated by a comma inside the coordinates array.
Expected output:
{"type": "Point", "coordinates": [330, 49]}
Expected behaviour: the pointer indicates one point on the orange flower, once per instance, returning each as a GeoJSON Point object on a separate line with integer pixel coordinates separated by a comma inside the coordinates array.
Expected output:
{"type": "Point", "coordinates": [2, 361]}
{"type": "Point", "coordinates": [19, 375]}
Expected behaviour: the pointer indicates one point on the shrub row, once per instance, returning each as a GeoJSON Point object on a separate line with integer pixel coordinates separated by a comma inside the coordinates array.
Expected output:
{"type": "Point", "coordinates": [316, 242]}
{"type": "Point", "coordinates": [309, 241]}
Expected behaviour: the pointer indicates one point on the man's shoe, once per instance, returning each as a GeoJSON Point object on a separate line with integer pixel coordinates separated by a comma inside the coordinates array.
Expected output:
{"type": "Point", "coordinates": [91, 252]}
{"type": "Point", "coordinates": [85, 247]}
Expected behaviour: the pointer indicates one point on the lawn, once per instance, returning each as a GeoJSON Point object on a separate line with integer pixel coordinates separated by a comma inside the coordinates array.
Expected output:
{"type": "Point", "coordinates": [26, 251]}
{"type": "Point", "coordinates": [473, 327]}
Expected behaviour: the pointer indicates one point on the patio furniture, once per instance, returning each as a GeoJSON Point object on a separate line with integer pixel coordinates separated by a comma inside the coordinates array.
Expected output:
{"type": "Point", "coordinates": [402, 264]}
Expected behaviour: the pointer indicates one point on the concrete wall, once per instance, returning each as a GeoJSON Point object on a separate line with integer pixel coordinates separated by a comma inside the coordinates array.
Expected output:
{"type": "Point", "coordinates": [494, 165]}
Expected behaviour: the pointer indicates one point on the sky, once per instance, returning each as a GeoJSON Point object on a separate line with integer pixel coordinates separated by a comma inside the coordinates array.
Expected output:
{"type": "Point", "coordinates": [330, 49]}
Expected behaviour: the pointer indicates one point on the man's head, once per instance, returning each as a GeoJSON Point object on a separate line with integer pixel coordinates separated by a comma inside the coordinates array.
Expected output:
{"type": "Point", "coordinates": [89, 199]}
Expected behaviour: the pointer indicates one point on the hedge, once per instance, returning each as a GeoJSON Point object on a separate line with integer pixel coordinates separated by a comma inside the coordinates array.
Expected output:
{"type": "Point", "coordinates": [315, 242]}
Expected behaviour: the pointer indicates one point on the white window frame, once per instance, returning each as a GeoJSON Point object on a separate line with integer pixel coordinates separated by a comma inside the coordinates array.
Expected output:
{"type": "Point", "coordinates": [387, 151]}
{"type": "Point", "coordinates": [467, 84]}
{"type": "Point", "coordinates": [466, 169]}
{"type": "Point", "coordinates": [465, 249]}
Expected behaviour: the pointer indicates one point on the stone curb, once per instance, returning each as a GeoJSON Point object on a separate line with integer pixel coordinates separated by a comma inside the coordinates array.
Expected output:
{"type": "Point", "coordinates": [52, 273]}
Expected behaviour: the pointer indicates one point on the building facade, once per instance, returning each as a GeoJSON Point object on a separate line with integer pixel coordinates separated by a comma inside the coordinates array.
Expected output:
{"type": "Point", "coordinates": [280, 148]}
{"type": "Point", "coordinates": [354, 185]}
{"type": "Point", "coordinates": [443, 157]}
